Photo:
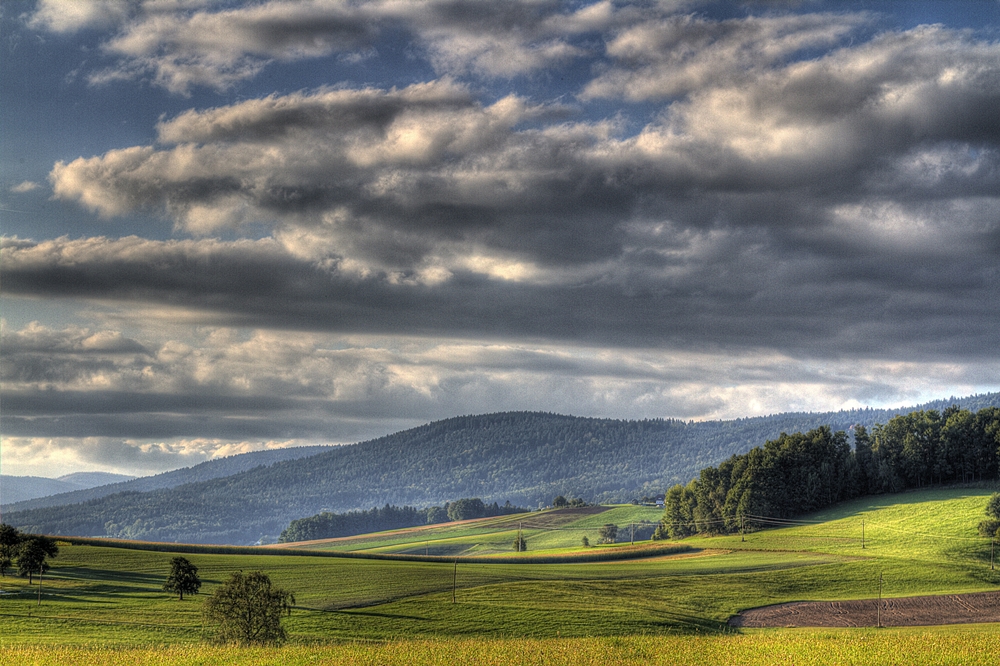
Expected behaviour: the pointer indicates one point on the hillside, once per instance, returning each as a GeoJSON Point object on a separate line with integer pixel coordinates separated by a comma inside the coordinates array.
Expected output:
{"type": "Point", "coordinates": [210, 469]}
{"type": "Point", "coordinates": [19, 488]}
{"type": "Point", "coordinates": [524, 457]}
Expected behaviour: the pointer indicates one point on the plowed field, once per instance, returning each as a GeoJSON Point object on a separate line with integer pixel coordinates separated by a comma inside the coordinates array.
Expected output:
{"type": "Point", "coordinates": [902, 612]}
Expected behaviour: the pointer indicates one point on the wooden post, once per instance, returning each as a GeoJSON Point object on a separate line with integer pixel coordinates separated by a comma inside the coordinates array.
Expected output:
{"type": "Point", "coordinates": [454, 582]}
{"type": "Point", "coordinates": [632, 538]}
{"type": "Point", "coordinates": [862, 534]}
{"type": "Point", "coordinates": [880, 599]}
{"type": "Point", "coordinates": [743, 536]}
{"type": "Point", "coordinates": [40, 569]}
{"type": "Point", "coordinates": [993, 547]}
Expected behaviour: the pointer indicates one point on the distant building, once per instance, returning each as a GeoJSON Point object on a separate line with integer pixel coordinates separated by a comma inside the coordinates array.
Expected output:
{"type": "Point", "coordinates": [660, 500]}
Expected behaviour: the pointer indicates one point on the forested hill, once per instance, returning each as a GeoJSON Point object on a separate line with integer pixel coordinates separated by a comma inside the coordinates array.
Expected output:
{"type": "Point", "coordinates": [524, 457]}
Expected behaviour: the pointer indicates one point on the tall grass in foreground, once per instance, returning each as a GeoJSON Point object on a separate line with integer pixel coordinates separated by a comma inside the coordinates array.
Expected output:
{"type": "Point", "coordinates": [970, 645]}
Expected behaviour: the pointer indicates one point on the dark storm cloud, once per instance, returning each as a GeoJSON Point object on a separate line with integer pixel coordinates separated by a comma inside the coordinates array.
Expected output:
{"type": "Point", "coordinates": [737, 296]}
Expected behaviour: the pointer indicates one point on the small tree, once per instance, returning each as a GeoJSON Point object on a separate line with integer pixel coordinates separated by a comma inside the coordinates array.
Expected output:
{"type": "Point", "coordinates": [248, 608]}
{"type": "Point", "coordinates": [993, 506]}
{"type": "Point", "coordinates": [183, 578]}
{"type": "Point", "coordinates": [32, 554]}
{"type": "Point", "coordinates": [608, 533]}
{"type": "Point", "coordinates": [559, 502]}
{"type": "Point", "coordinates": [520, 545]}
{"type": "Point", "coordinates": [10, 539]}
{"type": "Point", "coordinates": [585, 541]}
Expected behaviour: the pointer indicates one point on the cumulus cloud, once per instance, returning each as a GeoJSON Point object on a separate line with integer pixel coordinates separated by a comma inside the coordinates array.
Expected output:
{"type": "Point", "coordinates": [70, 15]}
{"type": "Point", "coordinates": [672, 56]}
{"type": "Point", "coordinates": [786, 212]}
{"type": "Point", "coordinates": [183, 45]}
{"type": "Point", "coordinates": [426, 182]}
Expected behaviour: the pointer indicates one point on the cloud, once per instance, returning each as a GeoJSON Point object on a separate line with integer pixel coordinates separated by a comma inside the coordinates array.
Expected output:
{"type": "Point", "coordinates": [219, 391]}
{"type": "Point", "coordinates": [23, 187]}
{"type": "Point", "coordinates": [882, 279]}
{"type": "Point", "coordinates": [672, 56]}
{"type": "Point", "coordinates": [216, 49]}
{"type": "Point", "coordinates": [184, 45]}
{"type": "Point", "coordinates": [64, 16]}
{"type": "Point", "coordinates": [52, 456]}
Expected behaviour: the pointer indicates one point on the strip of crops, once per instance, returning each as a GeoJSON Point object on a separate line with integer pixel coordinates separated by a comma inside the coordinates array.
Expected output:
{"type": "Point", "coordinates": [972, 646]}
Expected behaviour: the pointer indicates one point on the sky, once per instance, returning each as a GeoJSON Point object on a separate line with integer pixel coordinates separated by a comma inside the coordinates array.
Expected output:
{"type": "Point", "coordinates": [234, 226]}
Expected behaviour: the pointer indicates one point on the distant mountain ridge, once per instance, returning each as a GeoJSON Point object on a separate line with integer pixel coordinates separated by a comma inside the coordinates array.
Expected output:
{"type": "Point", "coordinates": [19, 488]}
{"type": "Point", "coordinates": [210, 469]}
{"type": "Point", "coordinates": [524, 457]}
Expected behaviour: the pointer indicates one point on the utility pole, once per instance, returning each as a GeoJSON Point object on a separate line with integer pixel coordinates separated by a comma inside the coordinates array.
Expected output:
{"type": "Point", "coordinates": [862, 534]}
{"type": "Point", "coordinates": [743, 534]}
{"type": "Point", "coordinates": [632, 539]}
{"type": "Point", "coordinates": [41, 568]}
{"type": "Point", "coordinates": [993, 547]}
{"type": "Point", "coordinates": [880, 599]}
{"type": "Point", "coordinates": [454, 582]}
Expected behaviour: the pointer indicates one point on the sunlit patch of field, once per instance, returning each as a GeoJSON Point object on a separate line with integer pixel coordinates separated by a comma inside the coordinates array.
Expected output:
{"type": "Point", "coordinates": [108, 603]}
{"type": "Point", "coordinates": [974, 645]}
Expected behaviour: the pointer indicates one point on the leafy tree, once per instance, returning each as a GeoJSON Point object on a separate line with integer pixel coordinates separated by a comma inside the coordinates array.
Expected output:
{"type": "Point", "coordinates": [608, 533]}
{"type": "Point", "coordinates": [32, 554]}
{"type": "Point", "coordinates": [183, 577]}
{"type": "Point", "coordinates": [520, 545]}
{"type": "Point", "coordinates": [464, 509]}
{"type": "Point", "coordinates": [247, 609]}
{"type": "Point", "coordinates": [10, 539]}
{"type": "Point", "coordinates": [436, 514]}
{"type": "Point", "coordinates": [559, 502]}
{"type": "Point", "coordinates": [585, 541]}
{"type": "Point", "coordinates": [993, 506]}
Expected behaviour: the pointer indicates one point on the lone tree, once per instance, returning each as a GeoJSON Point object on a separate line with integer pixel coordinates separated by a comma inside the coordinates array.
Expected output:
{"type": "Point", "coordinates": [559, 502]}
{"type": "Point", "coordinates": [10, 539]}
{"type": "Point", "coordinates": [991, 526]}
{"type": "Point", "coordinates": [32, 554]}
{"type": "Point", "coordinates": [608, 533]}
{"type": "Point", "coordinates": [247, 609]}
{"type": "Point", "coordinates": [520, 545]}
{"type": "Point", "coordinates": [183, 578]}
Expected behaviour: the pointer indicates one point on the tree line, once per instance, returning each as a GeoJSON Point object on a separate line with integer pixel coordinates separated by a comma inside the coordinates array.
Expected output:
{"type": "Point", "coordinates": [328, 525]}
{"type": "Point", "coordinates": [800, 473]}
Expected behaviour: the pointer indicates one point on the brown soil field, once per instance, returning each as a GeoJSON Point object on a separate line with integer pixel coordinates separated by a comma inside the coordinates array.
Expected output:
{"type": "Point", "coordinates": [902, 612]}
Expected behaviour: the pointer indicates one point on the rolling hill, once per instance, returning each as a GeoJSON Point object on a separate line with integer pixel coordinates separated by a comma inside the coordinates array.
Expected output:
{"type": "Point", "coordinates": [20, 488]}
{"type": "Point", "coordinates": [524, 457]}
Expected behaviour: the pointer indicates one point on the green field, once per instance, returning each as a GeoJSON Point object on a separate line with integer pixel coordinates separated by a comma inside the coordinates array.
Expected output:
{"type": "Point", "coordinates": [101, 601]}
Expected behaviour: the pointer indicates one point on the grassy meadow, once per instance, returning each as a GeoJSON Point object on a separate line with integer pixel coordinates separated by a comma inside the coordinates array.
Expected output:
{"type": "Point", "coordinates": [105, 604]}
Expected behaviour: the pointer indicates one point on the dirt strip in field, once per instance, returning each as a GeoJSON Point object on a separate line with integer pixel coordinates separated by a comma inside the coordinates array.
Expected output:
{"type": "Point", "coordinates": [902, 612]}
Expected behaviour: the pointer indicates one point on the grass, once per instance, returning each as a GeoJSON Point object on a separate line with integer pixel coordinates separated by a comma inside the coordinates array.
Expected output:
{"type": "Point", "coordinates": [969, 646]}
{"type": "Point", "coordinates": [543, 531]}
{"type": "Point", "coordinates": [106, 603]}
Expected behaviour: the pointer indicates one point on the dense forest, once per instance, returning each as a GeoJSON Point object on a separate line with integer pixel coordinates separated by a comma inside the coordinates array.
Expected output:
{"type": "Point", "coordinates": [524, 457]}
{"type": "Point", "coordinates": [799, 473]}
{"type": "Point", "coordinates": [328, 525]}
